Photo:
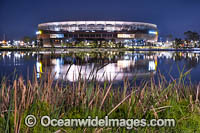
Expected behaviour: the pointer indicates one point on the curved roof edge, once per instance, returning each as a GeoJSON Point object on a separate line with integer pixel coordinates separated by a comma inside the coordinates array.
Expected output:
{"type": "Point", "coordinates": [95, 22]}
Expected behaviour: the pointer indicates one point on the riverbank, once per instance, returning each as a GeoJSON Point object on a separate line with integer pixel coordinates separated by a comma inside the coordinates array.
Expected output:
{"type": "Point", "coordinates": [173, 100]}
{"type": "Point", "coordinates": [138, 48]}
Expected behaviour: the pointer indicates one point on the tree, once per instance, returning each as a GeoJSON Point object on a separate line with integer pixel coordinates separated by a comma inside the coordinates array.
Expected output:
{"type": "Point", "coordinates": [178, 42]}
{"type": "Point", "coordinates": [191, 36]}
{"type": "Point", "coordinates": [26, 39]}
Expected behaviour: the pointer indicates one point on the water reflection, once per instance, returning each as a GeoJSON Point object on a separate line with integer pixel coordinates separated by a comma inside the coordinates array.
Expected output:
{"type": "Point", "coordinates": [103, 66]}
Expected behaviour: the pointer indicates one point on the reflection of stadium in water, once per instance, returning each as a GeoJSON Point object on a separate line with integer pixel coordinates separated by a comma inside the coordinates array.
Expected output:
{"type": "Point", "coordinates": [116, 68]}
{"type": "Point", "coordinates": [123, 62]}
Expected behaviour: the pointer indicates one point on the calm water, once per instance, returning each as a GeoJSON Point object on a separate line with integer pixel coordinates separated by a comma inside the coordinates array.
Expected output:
{"type": "Point", "coordinates": [102, 65]}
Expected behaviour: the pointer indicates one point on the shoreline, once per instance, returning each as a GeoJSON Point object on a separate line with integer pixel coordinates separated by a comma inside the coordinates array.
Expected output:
{"type": "Point", "coordinates": [98, 49]}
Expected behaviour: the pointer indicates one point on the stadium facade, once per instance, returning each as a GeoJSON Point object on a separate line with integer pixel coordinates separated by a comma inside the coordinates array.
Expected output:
{"type": "Point", "coordinates": [57, 33]}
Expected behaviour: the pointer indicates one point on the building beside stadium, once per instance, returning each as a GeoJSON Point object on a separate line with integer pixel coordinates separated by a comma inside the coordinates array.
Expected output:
{"type": "Point", "coordinates": [135, 33]}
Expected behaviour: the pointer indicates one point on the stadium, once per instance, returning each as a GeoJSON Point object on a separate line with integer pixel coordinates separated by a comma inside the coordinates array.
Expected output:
{"type": "Point", "coordinates": [134, 33]}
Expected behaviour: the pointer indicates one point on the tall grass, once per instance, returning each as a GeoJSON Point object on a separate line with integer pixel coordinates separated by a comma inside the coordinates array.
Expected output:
{"type": "Point", "coordinates": [83, 98]}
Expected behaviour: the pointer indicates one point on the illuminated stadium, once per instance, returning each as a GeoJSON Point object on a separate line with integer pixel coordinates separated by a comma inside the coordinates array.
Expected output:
{"type": "Point", "coordinates": [57, 33]}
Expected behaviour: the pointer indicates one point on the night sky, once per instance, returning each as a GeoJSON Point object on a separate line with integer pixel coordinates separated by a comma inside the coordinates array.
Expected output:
{"type": "Point", "coordinates": [19, 18]}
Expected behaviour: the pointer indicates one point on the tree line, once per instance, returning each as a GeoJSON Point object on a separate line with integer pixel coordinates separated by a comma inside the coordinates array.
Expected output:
{"type": "Point", "coordinates": [191, 40]}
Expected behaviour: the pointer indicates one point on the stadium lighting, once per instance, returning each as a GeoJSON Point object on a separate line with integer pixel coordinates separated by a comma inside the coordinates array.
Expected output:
{"type": "Point", "coordinates": [39, 32]}
{"type": "Point", "coordinates": [153, 32]}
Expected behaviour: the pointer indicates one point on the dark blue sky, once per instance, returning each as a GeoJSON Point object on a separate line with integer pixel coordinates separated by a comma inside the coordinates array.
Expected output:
{"type": "Point", "coordinates": [20, 17]}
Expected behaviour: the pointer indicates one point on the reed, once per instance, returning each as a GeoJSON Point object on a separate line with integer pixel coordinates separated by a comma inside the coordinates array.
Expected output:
{"type": "Point", "coordinates": [80, 99]}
